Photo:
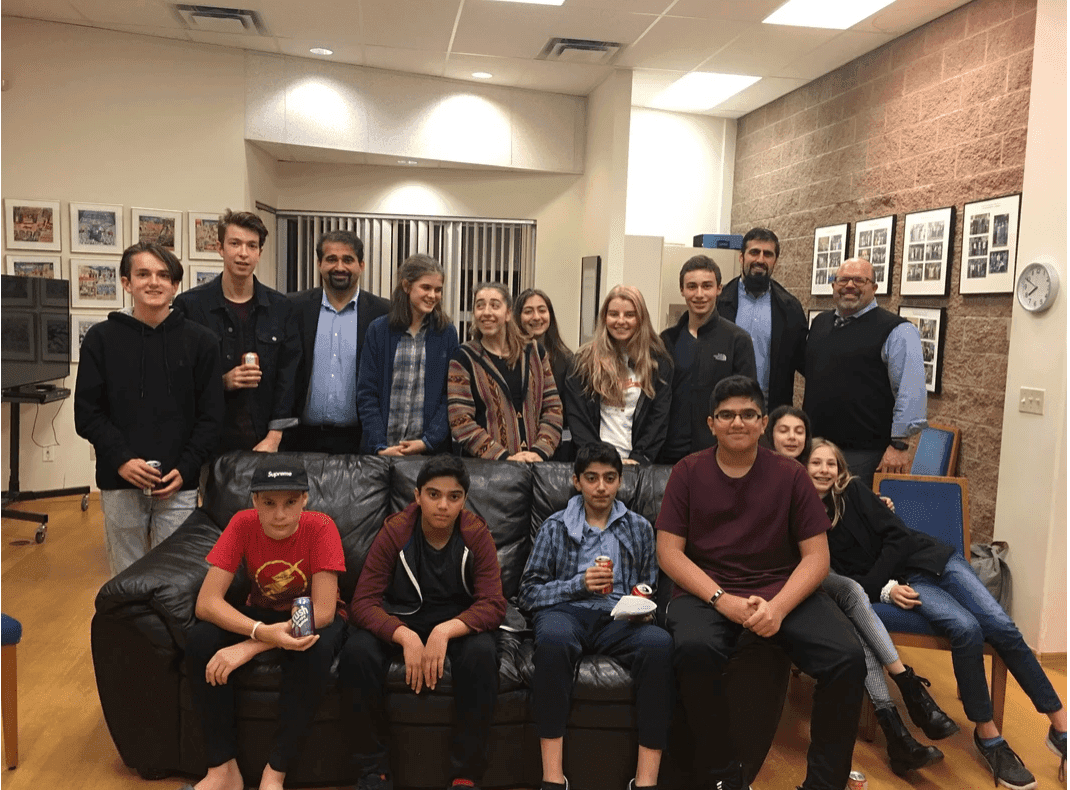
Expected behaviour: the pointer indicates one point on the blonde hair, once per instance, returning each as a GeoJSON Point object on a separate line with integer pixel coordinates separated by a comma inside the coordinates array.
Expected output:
{"type": "Point", "coordinates": [515, 340]}
{"type": "Point", "coordinates": [843, 477]}
{"type": "Point", "coordinates": [602, 363]}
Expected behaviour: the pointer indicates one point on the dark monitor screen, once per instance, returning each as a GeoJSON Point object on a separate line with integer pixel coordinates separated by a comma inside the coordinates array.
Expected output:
{"type": "Point", "coordinates": [36, 334]}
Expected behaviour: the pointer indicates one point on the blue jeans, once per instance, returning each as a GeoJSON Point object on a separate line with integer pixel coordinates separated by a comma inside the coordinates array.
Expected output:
{"type": "Point", "coordinates": [135, 523]}
{"type": "Point", "coordinates": [959, 606]}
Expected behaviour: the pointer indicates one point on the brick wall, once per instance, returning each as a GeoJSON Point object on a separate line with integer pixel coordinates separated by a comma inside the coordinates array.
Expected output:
{"type": "Point", "coordinates": [935, 118]}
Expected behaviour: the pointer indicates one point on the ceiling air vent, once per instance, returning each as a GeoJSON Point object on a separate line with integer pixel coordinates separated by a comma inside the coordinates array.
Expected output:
{"type": "Point", "coordinates": [216, 19]}
{"type": "Point", "coordinates": [580, 50]}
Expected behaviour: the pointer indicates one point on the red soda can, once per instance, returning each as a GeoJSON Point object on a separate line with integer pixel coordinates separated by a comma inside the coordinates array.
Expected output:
{"type": "Point", "coordinates": [157, 466]}
{"type": "Point", "coordinates": [251, 358]}
{"type": "Point", "coordinates": [602, 561]}
{"type": "Point", "coordinates": [856, 780]}
{"type": "Point", "coordinates": [643, 591]}
{"type": "Point", "coordinates": [302, 622]}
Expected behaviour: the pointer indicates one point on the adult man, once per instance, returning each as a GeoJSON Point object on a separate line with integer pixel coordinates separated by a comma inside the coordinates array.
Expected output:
{"type": "Point", "coordinates": [149, 389]}
{"type": "Point", "coordinates": [247, 316]}
{"type": "Point", "coordinates": [571, 597]}
{"type": "Point", "coordinates": [771, 316]}
{"type": "Point", "coordinates": [332, 321]}
{"type": "Point", "coordinates": [742, 534]}
{"type": "Point", "coordinates": [705, 348]}
{"type": "Point", "coordinates": [865, 377]}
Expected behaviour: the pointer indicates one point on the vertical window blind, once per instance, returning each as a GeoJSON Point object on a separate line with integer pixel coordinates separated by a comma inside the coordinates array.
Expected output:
{"type": "Point", "coordinates": [470, 250]}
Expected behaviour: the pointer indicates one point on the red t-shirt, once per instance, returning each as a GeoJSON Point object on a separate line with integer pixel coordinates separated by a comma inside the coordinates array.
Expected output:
{"type": "Point", "coordinates": [281, 570]}
{"type": "Point", "coordinates": [743, 532]}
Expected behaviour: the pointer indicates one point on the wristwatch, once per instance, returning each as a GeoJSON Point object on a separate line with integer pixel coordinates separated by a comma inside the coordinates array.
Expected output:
{"type": "Point", "coordinates": [899, 444]}
{"type": "Point", "coordinates": [713, 601]}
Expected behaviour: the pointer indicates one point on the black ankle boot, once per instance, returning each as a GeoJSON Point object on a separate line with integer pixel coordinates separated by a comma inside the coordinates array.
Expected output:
{"type": "Point", "coordinates": [922, 708]}
{"type": "Point", "coordinates": [904, 752]}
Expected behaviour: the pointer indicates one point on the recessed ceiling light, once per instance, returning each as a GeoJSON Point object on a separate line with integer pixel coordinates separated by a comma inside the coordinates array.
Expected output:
{"type": "Point", "coordinates": [482, 75]}
{"type": "Point", "coordinates": [701, 90]}
{"type": "Point", "coordinates": [535, 2]}
{"type": "Point", "coordinates": [321, 51]}
{"type": "Point", "coordinates": [829, 14]}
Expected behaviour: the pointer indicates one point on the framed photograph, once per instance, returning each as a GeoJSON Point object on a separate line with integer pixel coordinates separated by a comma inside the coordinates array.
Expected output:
{"type": "Point", "coordinates": [812, 314]}
{"type": "Point", "coordinates": [201, 273]}
{"type": "Point", "coordinates": [830, 250]}
{"type": "Point", "coordinates": [19, 336]}
{"type": "Point", "coordinates": [932, 326]}
{"type": "Point", "coordinates": [32, 224]}
{"type": "Point", "coordinates": [95, 283]}
{"type": "Point", "coordinates": [96, 227]}
{"type": "Point", "coordinates": [55, 337]}
{"type": "Point", "coordinates": [203, 236]}
{"type": "Point", "coordinates": [989, 245]}
{"type": "Point", "coordinates": [80, 323]}
{"type": "Point", "coordinates": [158, 226]}
{"type": "Point", "coordinates": [874, 241]}
{"type": "Point", "coordinates": [590, 295]}
{"type": "Point", "coordinates": [48, 266]}
{"type": "Point", "coordinates": [927, 239]}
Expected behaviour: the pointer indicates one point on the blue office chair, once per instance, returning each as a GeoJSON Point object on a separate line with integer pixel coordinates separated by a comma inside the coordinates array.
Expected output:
{"type": "Point", "coordinates": [937, 453]}
{"type": "Point", "coordinates": [11, 631]}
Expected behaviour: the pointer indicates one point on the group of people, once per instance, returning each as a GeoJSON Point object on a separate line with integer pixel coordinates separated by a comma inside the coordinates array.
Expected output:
{"type": "Point", "coordinates": [745, 535]}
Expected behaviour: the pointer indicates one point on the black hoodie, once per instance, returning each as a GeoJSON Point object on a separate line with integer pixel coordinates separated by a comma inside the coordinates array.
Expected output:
{"type": "Point", "coordinates": [150, 393]}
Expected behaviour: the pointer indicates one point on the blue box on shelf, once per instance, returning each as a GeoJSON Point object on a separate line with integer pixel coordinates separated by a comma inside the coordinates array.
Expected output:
{"type": "Point", "coordinates": [719, 241]}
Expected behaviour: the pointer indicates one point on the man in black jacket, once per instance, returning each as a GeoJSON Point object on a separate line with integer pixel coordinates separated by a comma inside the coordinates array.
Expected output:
{"type": "Point", "coordinates": [149, 398]}
{"type": "Point", "coordinates": [332, 322]}
{"type": "Point", "coordinates": [248, 318]}
{"type": "Point", "coordinates": [771, 316]}
{"type": "Point", "coordinates": [705, 348]}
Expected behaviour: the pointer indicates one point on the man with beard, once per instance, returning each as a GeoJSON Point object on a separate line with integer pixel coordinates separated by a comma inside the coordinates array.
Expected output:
{"type": "Point", "coordinates": [771, 316]}
{"type": "Point", "coordinates": [332, 322]}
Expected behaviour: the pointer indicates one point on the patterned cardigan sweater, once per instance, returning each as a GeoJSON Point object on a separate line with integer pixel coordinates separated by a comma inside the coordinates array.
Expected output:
{"type": "Point", "coordinates": [482, 419]}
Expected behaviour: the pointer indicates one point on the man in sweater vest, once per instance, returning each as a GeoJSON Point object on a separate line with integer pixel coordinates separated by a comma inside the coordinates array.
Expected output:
{"type": "Point", "coordinates": [865, 377]}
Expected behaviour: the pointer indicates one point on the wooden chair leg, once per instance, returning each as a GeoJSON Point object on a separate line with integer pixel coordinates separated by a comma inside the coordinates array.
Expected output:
{"type": "Point", "coordinates": [9, 704]}
{"type": "Point", "coordinates": [999, 690]}
{"type": "Point", "coordinates": [868, 725]}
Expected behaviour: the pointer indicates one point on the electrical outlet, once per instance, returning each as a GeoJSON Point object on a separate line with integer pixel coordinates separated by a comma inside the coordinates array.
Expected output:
{"type": "Point", "coordinates": [49, 454]}
{"type": "Point", "coordinates": [1031, 401]}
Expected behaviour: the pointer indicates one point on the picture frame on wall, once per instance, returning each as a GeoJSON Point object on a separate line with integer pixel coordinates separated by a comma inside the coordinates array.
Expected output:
{"type": "Point", "coordinates": [811, 315]}
{"type": "Point", "coordinates": [23, 265]}
{"type": "Point", "coordinates": [927, 240]}
{"type": "Point", "coordinates": [80, 324]}
{"type": "Point", "coordinates": [931, 323]}
{"type": "Point", "coordinates": [203, 236]}
{"type": "Point", "coordinates": [989, 245]}
{"type": "Point", "coordinates": [875, 241]}
{"type": "Point", "coordinates": [830, 250]}
{"type": "Point", "coordinates": [96, 227]}
{"type": "Point", "coordinates": [158, 226]}
{"type": "Point", "coordinates": [32, 224]}
{"type": "Point", "coordinates": [201, 273]}
{"type": "Point", "coordinates": [590, 295]}
{"type": "Point", "coordinates": [95, 283]}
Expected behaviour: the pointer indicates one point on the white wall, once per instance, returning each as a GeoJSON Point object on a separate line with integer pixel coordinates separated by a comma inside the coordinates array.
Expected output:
{"type": "Point", "coordinates": [680, 169]}
{"type": "Point", "coordinates": [1031, 502]}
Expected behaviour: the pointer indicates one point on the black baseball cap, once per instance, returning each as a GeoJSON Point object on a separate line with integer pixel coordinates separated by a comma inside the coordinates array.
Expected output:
{"type": "Point", "coordinates": [279, 473]}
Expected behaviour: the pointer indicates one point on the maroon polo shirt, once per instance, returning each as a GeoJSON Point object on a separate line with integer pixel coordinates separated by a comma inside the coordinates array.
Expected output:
{"type": "Point", "coordinates": [743, 532]}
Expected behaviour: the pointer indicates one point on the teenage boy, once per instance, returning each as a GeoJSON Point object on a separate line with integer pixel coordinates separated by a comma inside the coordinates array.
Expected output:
{"type": "Point", "coordinates": [247, 316]}
{"type": "Point", "coordinates": [149, 388]}
{"type": "Point", "coordinates": [741, 532]}
{"type": "Point", "coordinates": [290, 553]}
{"type": "Point", "coordinates": [567, 593]}
{"type": "Point", "coordinates": [430, 588]}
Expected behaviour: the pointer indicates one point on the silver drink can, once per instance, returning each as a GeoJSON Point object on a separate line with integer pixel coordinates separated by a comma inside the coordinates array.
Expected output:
{"type": "Point", "coordinates": [157, 466]}
{"type": "Point", "coordinates": [856, 780]}
{"type": "Point", "coordinates": [302, 622]}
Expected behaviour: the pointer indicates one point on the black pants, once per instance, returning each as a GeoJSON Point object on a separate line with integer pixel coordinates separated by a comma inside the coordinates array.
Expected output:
{"type": "Point", "coordinates": [863, 463]}
{"type": "Point", "coordinates": [473, 668]}
{"type": "Point", "coordinates": [563, 633]}
{"type": "Point", "coordinates": [305, 675]}
{"type": "Point", "coordinates": [334, 439]}
{"type": "Point", "coordinates": [819, 640]}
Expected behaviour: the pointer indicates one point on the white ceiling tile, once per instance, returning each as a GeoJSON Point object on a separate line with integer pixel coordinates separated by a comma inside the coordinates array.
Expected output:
{"type": "Point", "coordinates": [739, 10]}
{"type": "Point", "coordinates": [627, 6]}
{"type": "Point", "coordinates": [679, 43]}
{"type": "Point", "coordinates": [345, 52]}
{"type": "Point", "coordinates": [647, 84]}
{"type": "Point", "coordinates": [779, 46]}
{"type": "Point", "coordinates": [259, 43]}
{"type": "Point", "coordinates": [906, 15]}
{"type": "Point", "coordinates": [409, 24]}
{"type": "Point", "coordinates": [53, 10]}
{"type": "Point", "coordinates": [317, 19]}
{"type": "Point", "coordinates": [844, 48]}
{"type": "Point", "coordinates": [575, 79]}
{"type": "Point", "coordinates": [758, 94]}
{"type": "Point", "coordinates": [413, 61]}
{"type": "Point", "coordinates": [149, 30]}
{"type": "Point", "coordinates": [143, 13]}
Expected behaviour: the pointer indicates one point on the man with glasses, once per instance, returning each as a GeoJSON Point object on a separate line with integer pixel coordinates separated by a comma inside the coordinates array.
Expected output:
{"type": "Point", "coordinates": [865, 376]}
{"type": "Point", "coordinates": [741, 533]}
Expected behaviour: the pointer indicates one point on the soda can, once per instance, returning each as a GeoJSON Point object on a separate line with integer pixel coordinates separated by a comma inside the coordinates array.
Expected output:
{"type": "Point", "coordinates": [602, 561]}
{"type": "Point", "coordinates": [302, 622]}
{"type": "Point", "coordinates": [856, 780]}
{"type": "Point", "coordinates": [643, 591]}
{"type": "Point", "coordinates": [157, 466]}
{"type": "Point", "coordinates": [251, 358]}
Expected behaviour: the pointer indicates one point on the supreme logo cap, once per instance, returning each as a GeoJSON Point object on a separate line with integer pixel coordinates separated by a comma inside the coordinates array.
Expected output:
{"type": "Point", "coordinates": [279, 473]}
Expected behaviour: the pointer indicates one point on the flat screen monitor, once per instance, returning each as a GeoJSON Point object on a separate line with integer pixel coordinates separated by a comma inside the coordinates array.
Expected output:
{"type": "Point", "coordinates": [36, 340]}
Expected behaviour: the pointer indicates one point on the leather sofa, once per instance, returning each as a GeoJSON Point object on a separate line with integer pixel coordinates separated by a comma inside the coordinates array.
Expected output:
{"type": "Point", "coordinates": [143, 614]}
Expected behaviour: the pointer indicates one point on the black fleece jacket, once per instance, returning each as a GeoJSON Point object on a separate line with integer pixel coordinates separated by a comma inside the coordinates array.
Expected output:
{"type": "Point", "coordinates": [150, 393]}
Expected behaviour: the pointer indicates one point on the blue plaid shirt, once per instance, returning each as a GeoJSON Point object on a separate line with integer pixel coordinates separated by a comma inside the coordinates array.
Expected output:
{"type": "Point", "coordinates": [407, 389]}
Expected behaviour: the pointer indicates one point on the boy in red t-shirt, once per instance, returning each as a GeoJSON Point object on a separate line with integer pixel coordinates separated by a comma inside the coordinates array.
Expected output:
{"type": "Point", "coordinates": [288, 553]}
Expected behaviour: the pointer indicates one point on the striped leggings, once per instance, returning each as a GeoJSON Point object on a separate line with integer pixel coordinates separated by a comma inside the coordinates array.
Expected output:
{"type": "Point", "coordinates": [876, 643]}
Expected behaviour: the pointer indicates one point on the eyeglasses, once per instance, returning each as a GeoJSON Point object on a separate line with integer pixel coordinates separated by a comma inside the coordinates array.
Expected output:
{"type": "Point", "coordinates": [859, 281]}
{"type": "Point", "coordinates": [749, 416]}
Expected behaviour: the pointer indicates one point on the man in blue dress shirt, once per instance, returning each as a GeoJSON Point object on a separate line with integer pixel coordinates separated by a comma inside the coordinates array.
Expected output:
{"type": "Point", "coordinates": [332, 321]}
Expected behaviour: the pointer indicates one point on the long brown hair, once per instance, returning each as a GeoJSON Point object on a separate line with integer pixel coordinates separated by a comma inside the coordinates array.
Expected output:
{"type": "Point", "coordinates": [834, 497]}
{"type": "Point", "coordinates": [602, 363]}
{"type": "Point", "coordinates": [415, 267]}
{"type": "Point", "coordinates": [515, 340]}
{"type": "Point", "coordinates": [551, 340]}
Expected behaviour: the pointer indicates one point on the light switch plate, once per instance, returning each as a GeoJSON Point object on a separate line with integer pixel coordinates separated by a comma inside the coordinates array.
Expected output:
{"type": "Point", "coordinates": [1031, 401]}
